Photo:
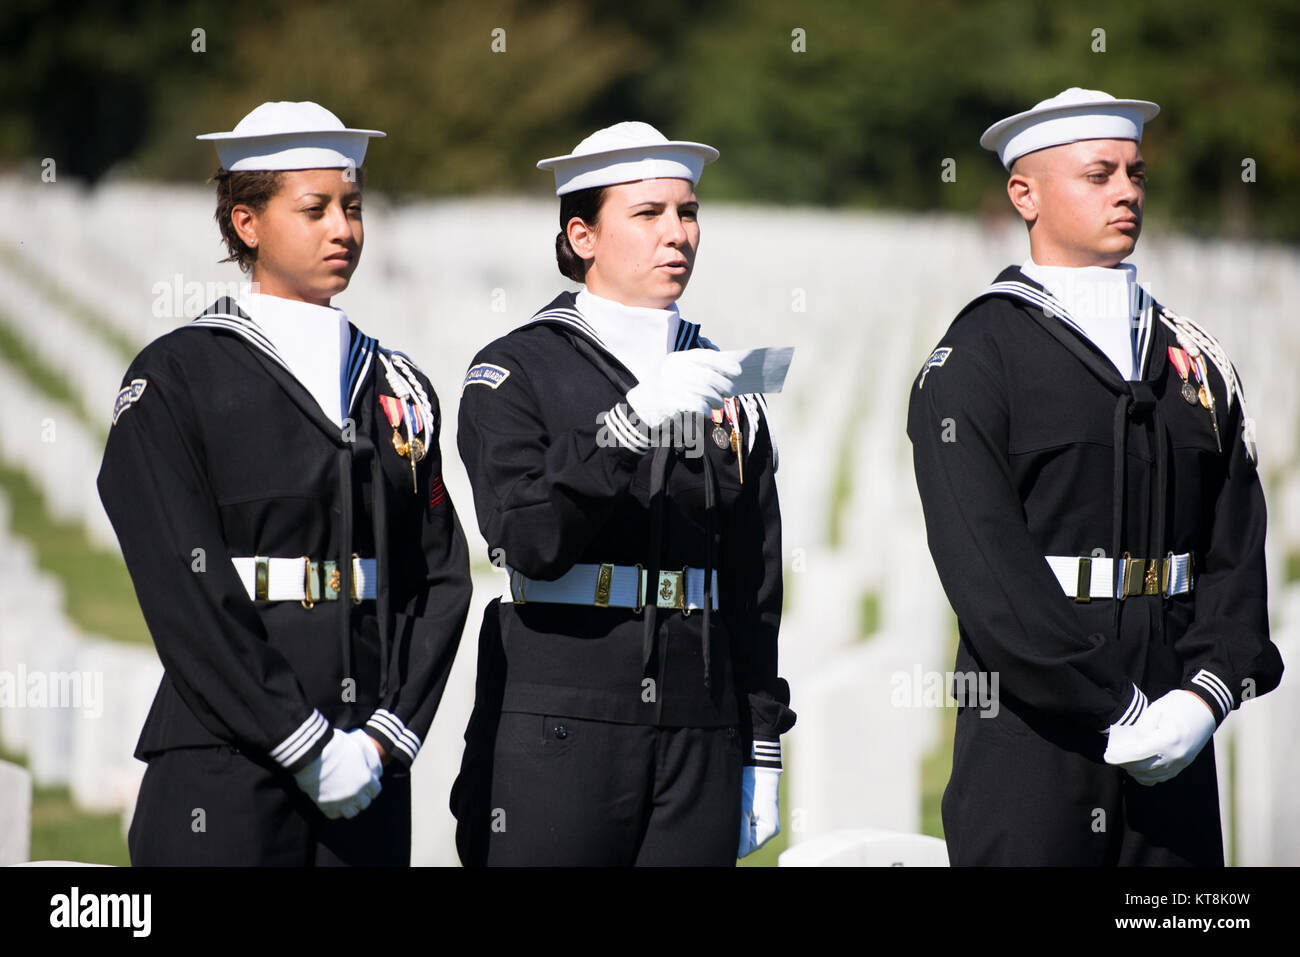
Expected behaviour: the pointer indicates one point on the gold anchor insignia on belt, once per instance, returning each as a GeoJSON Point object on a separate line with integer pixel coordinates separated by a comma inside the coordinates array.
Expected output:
{"type": "Point", "coordinates": [1145, 576]}
{"type": "Point", "coordinates": [1151, 582]}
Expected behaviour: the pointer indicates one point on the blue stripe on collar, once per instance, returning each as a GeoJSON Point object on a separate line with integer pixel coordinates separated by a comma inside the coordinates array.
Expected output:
{"type": "Point", "coordinates": [688, 335]}
{"type": "Point", "coordinates": [361, 353]}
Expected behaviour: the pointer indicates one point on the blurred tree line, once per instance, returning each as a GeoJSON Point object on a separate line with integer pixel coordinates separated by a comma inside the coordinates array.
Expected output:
{"type": "Point", "coordinates": [837, 103]}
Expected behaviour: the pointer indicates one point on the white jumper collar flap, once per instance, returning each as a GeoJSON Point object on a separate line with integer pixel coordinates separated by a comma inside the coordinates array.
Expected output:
{"type": "Point", "coordinates": [353, 357]}
{"type": "Point", "coordinates": [1100, 302]}
{"type": "Point", "coordinates": [311, 340]}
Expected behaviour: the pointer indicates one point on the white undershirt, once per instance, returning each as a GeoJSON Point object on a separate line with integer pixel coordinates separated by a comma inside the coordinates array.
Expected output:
{"type": "Point", "coordinates": [1100, 300]}
{"type": "Point", "coordinates": [638, 336]}
{"type": "Point", "coordinates": [311, 339]}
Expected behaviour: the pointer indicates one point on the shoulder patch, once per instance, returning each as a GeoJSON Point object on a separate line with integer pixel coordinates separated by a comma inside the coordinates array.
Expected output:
{"type": "Point", "coordinates": [937, 358]}
{"type": "Point", "coordinates": [128, 397]}
{"type": "Point", "coordinates": [485, 373]}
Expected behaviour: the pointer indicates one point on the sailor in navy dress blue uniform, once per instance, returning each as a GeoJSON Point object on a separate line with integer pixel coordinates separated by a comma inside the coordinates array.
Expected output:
{"type": "Point", "coordinates": [1097, 521]}
{"type": "Point", "coordinates": [305, 580]}
{"type": "Point", "coordinates": [628, 707]}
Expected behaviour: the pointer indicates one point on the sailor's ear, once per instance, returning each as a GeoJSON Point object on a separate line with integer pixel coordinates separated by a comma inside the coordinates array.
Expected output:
{"type": "Point", "coordinates": [1022, 190]}
{"type": "Point", "coordinates": [244, 221]}
{"type": "Point", "coordinates": [582, 237]}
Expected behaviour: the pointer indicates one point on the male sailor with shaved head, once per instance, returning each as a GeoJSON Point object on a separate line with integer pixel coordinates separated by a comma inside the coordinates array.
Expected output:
{"type": "Point", "coordinates": [1087, 468]}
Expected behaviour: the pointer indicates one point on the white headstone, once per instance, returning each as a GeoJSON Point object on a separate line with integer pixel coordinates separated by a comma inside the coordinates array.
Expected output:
{"type": "Point", "coordinates": [15, 814]}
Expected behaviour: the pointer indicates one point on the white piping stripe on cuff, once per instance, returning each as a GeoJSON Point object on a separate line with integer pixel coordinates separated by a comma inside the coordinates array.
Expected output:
{"type": "Point", "coordinates": [398, 741]}
{"type": "Point", "coordinates": [301, 741]}
{"type": "Point", "coordinates": [765, 751]}
{"type": "Point", "coordinates": [411, 737]}
{"type": "Point", "coordinates": [1217, 689]}
{"type": "Point", "coordinates": [392, 727]}
{"type": "Point", "coordinates": [1135, 707]}
{"type": "Point", "coordinates": [624, 422]}
{"type": "Point", "coordinates": [620, 430]}
{"type": "Point", "coordinates": [624, 431]}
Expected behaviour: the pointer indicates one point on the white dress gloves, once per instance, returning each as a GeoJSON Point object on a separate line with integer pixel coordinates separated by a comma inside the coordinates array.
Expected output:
{"type": "Point", "coordinates": [760, 813]}
{"type": "Point", "coordinates": [344, 779]}
{"type": "Point", "coordinates": [1164, 740]}
{"type": "Point", "coordinates": [693, 380]}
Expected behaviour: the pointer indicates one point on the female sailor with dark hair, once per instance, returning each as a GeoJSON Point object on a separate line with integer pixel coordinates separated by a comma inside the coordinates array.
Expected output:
{"type": "Point", "coordinates": [274, 479]}
{"type": "Point", "coordinates": [628, 708]}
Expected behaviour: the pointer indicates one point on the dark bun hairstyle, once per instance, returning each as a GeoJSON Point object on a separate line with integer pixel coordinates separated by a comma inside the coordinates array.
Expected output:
{"type": "Point", "coordinates": [585, 205]}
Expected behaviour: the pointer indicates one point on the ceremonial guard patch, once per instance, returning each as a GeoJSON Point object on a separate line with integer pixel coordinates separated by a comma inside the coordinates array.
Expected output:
{"type": "Point", "coordinates": [485, 373]}
{"type": "Point", "coordinates": [937, 358]}
{"type": "Point", "coordinates": [128, 397]}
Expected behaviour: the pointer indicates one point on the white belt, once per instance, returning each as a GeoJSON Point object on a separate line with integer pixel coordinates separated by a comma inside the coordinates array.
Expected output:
{"type": "Point", "coordinates": [1086, 578]}
{"type": "Point", "coordinates": [613, 586]}
{"type": "Point", "coordinates": [301, 579]}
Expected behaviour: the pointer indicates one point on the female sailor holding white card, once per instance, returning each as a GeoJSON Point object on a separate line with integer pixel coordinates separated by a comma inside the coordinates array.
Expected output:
{"type": "Point", "coordinates": [628, 705]}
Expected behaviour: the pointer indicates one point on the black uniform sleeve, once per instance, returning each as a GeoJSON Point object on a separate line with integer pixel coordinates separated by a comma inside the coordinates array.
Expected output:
{"type": "Point", "coordinates": [766, 694]}
{"type": "Point", "coordinates": [539, 497]}
{"type": "Point", "coordinates": [208, 634]}
{"type": "Point", "coordinates": [427, 629]}
{"type": "Point", "coordinates": [1005, 595]}
{"type": "Point", "coordinates": [1226, 652]}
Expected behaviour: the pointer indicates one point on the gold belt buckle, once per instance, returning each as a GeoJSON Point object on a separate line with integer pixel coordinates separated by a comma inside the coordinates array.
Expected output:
{"type": "Point", "coordinates": [352, 582]}
{"type": "Point", "coordinates": [333, 579]}
{"type": "Point", "coordinates": [604, 580]}
{"type": "Point", "coordinates": [1131, 576]}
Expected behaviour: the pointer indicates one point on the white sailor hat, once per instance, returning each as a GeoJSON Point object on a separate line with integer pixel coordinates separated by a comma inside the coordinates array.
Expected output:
{"type": "Point", "coordinates": [286, 135]}
{"type": "Point", "coordinates": [624, 153]}
{"type": "Point", "coordinates": [1071, 115]}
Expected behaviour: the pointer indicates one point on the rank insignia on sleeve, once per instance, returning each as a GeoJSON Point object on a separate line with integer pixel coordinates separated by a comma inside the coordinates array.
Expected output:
{"type": "Point", "coordinates": [437, 494]}
{"type": "Point", "coordinates": [128, 397]}
{"type": "Point", "coordinates": [485, 373]}
{"type": "Point", "coordinates": [937, 358]}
